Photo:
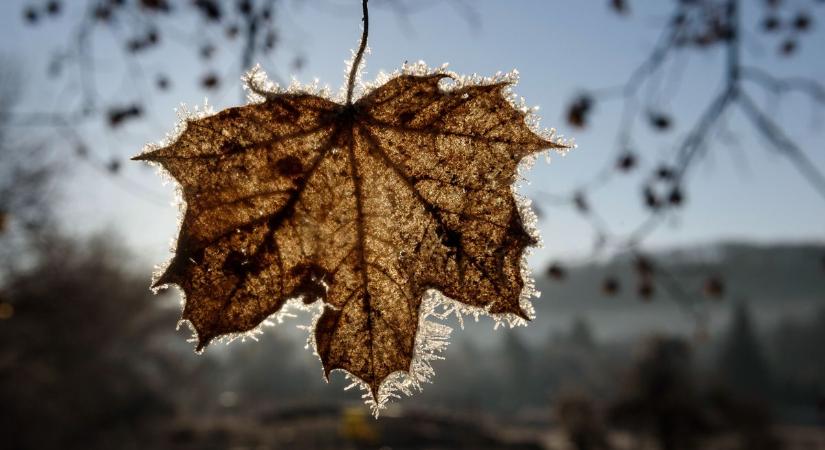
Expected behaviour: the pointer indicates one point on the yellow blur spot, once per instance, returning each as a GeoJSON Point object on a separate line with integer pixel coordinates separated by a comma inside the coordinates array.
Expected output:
{"type": "Point", "coordinates": [6, 311]}
{"type": "Point", "coordinates": [357, 425]}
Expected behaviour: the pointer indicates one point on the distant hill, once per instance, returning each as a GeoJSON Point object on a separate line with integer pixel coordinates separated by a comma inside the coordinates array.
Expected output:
{"type": "Point", "coordinates": [755, 273]}
{"type": "Point", "coordinates": [776, 279]}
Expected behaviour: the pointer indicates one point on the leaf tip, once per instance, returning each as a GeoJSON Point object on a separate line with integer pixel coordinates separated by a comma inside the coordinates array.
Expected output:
{"type": "Point", "coordinates": [150, 153]}
{"type": "Point", "coordinates": [524, 315]}
{"type": "Point", "coordinates": [374, 388]}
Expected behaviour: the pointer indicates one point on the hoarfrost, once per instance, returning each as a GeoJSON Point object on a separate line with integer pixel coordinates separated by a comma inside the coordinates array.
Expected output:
{"type": "Point", "coordinates": [432, 336]}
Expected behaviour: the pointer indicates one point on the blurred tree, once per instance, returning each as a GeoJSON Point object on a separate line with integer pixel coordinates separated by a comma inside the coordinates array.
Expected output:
{"type": "Point", "coordinates": [796, 358]}
{"type": "Point", "coordinates": [517, 367]}
{"type": "Point", "coordinates": [660, 398]}
{"type": "Point", "coordinates": [581, 334]}
{"type": "Point", "coordinates": [26, 175]}
{"type": "Point", "coordinates": [798, 353]}
{"type": "Point", "coordinates": [582, 422]}
{"type": "Point", "coordinates": [741, 364]}
{"type": "Point", "coordinates": [665, 399]}
{"type": "Point", "coordinates": [748, 419]}
{"type": "Point", "coordinates": [85, 361]}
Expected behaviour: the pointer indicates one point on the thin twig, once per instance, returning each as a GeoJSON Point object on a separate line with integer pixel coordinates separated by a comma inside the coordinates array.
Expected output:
{"type": "Point", "coordinates": [695, 141]}
{"type": "Point", "coordinates": [781, 85]}
{"type": "Point", "coordinates": [774, 134]}
{"type": "Point", "coordinates": [737, 76]}
{"type": "Point", "coordinates": [358, 56]}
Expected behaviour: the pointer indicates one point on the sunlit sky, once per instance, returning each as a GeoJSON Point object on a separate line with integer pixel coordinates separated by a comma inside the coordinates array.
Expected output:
{"type": "Point", "coordinates": [742, 190]}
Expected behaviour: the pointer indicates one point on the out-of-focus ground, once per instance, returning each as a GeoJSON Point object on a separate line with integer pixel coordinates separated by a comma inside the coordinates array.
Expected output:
{"type": "Point", "coordinates": [92, 360]}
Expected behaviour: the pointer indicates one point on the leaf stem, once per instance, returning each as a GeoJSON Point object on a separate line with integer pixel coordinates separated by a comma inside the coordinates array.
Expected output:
{"type": "Point", "coordinates": [358, 56]}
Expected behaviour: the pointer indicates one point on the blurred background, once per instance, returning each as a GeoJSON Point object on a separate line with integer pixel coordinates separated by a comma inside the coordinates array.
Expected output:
{"type": "Point", "coordinates": [682, 276]}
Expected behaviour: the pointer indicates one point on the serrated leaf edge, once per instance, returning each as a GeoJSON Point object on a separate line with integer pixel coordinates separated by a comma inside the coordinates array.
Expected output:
{"type": "Point", "coordinates": [432, 337]}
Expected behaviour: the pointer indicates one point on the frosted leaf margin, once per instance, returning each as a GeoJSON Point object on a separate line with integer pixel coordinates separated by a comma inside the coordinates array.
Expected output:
{"type": "Point", "coordinates": [432, 336]}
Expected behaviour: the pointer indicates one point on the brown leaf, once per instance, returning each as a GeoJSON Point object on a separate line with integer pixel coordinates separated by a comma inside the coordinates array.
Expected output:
{"type": "Point", "coordinates": [31, 15]}
{"type": "Point", "coordinates": [362, 206]}
{"type": "Point", "coordinates": [771, 23]}
{"type": "Point", "coordinates": [788, 47]}
{"type": "Point", "coordinates": [802, 21]}
{"type": "Point", "coordinates": [714, 287]}
{"type": "Point", "coordinates": [644, 266]}
{"type": "Point", "coordinates": [665, 173]}
{"type": "Point", "coordinates": [650, 198]}
{"type": "Point", "coordinates": [619, 6]}
{"type": "Point", "coordinates": [210, 81]}
{"type": "Point", "coordinates": [162, 82]}
{"type": "Point", "coordinates": [579, 110]}
{"type": "Point", "coordinates": [626, 162]}
{"type": "Point", "coordinates": [155, 5]}
{"type": "Point", "coordinates": [118, 115]}
{"type": "Point", "coordinates": [676, 197]}
{"type": "Point", "coordinates": [610, 286]}
{"type": "Point", "coordinates": [646, 290]}
{"type": "Point", "coordinates": [210, 9]}
{"type": "Point", "coordinates": [556, 271]}
{"type": "Point", "coordinates": [659, 120]}
{"type": "Point", "coordinates": [53, 7]}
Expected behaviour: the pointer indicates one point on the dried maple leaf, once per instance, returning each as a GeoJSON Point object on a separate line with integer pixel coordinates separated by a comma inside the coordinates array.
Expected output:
{"type": "Point", "coordinates": [363, 206]}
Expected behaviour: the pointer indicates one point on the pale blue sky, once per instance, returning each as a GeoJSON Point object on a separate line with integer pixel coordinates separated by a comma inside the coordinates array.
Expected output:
{"type": "Point", "coordinates": [557, 46]}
